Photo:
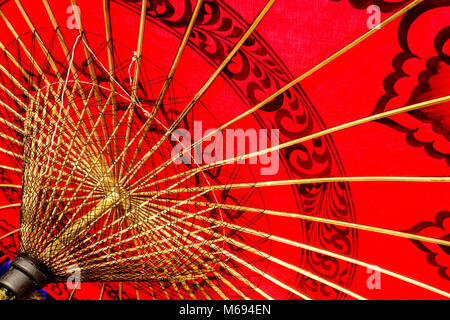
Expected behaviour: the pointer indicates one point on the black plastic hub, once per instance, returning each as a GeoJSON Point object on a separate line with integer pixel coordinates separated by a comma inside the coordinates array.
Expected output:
{"type": "Point", "coordinates": [24, 276]}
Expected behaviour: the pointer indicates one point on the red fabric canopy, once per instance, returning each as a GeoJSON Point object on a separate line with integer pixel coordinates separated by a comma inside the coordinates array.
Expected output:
{"type": "Point", "coordinates": [404, 63]}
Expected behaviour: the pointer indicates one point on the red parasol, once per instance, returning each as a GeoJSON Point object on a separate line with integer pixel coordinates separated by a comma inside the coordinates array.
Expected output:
{"type": "Point", "coordinates": [339, 188]}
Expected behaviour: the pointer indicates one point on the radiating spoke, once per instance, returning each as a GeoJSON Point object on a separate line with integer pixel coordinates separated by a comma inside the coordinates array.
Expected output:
{"type": "Point", "coordinates": [140, 183]}
{"type": "Point", "coordinates": [200, 93]}
{"type": "Point", "coordinates": [288, 86]}
{"type": "Point", "coordinates": [93, 196]}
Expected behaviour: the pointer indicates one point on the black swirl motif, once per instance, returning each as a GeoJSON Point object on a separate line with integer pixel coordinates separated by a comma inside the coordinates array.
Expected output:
{"type": "Point", "coordinates": [435, 252]}
{"type": "Point", "coordinates": [256, 72]}
{"type": "Point", "coordinates": [10, 245]}
{"type": "Point", "coordinates": [328, 268]}
{"type": "Point", "coordinates": [436, 66]}
{"type": "Point", "coordinates": [11, 194]}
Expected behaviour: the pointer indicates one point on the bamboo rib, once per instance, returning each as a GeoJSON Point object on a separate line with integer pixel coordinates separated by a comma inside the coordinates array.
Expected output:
{"type": "Point", "coordinates": [135, 84]}
{"type": "Point", "coordinates": [11, 139]}
{"type": "Point", "coordinates": [313, 276]}
{"type": "Point", "coordinates": [92, 164]}
{"type": "Point", "coordinates": [157, 229]}
{"type": "Point", "coordinates": [138, 55]}
{"type": "Point", "coordinates": [382, 115]}
{"type": "Point", "coordinates": [38, 38]}
{"type": "Point", "coordinates": [139, 246]}
{"type": "Point", "coordinates": [170, 242]}
{"type": "Point", "coordinates": [120, 290]}
{"type": "Point", "coordinates": [303, 181]}
{"type": "Point", "coordinates": [331, 254]}
{"type": "Point", "coordinates": [188, 291]}
{"type": "Point", "coordinates": [106, 173]}
{"type": "Point", "coordinates": [225, 281]}
{"type": "Point", "coordinates": [381, 270]}
{"type": "Point", "coordinates": [235, 273]}
{"type": "Point", "coordinates": [16, 186]}
{"type": "Point", "coordinates": [109, 41]}
{"type": "Point", "coordinates": [67, 53]}
{"type": "Point", "coordinates": [267, 276]}
{"type": "Point", "coordinates": [143, 203]}
{"type": "Point", "coordinates": [89, 58]}
{"type": "Point", "coordinates": [295, 268]}
{"type": "Point", "coordinates": [11, 153]}
{"type": "Point", "coordinates": [123, 153]}
{"type": "Point", "coordinates": [64, 48]}
{"type": "Point", "coordinates": [148, 201]}
{"type": "Point", "coordinates": [164, 290]}
{"type": "Point", "coordinates": [324, 220]}
{"type": "Point", "coordinates": [72, 230]}
{"type": "Point", "coordinates": [200, 93]}
{"type": "Point", "coordinates": [75, 165]}
{"type": "Point", "coordinates": [93, 76]}
{"type": "Point", "coordinates": [10, 168]}
{"type": "Point", "coordinates": [56, 95]}
{"type": "Point", "coordinates": [17, 100]}
{"type": "Point", "coordinates": [35, 125]}
{"type": "Point", "coordinates": [138, 297]}
{"type": "Point", "coordinates": [11, 125]}
{"type": "Point", "coordinates": [161, 228]}
{"type": "Point", "coordinates": [9, 233]}
{"type": "Point", "coordinates": [65, 189]}
{"type": "Point", "coordinates": [30, 130]}
{"type": "Point", "coordinates": [8, 206]}
{"type": "Point", "coordinates": [42, 46]}
{"type": "Point", "coordinates": [102, 290]}
{"type": "Point", "coordinates": [169, 77]}
{"type": "Point", "coordinates": [174, 284]}
{"type": "Point", "coordinates": [14, 97]}
{"type": "Point", "coordinates": [83, 180]}
{"type": "Point", "coordinates": [27, 53]}
{"type": "Point", "coordinates": [117, 260]}
{"type": "Point", "coordinates": [322, 180]}
{"type": "Point", "coordinates": [292, 83]}
{"type": "Point", "coordinates": [135, 209]}
{"type": "Point", "coordinates": [16, 83]}
{"type": "Point", "coordinates": [143, 222]}
{"type": "Point", "coordinates": [207, 296]}
{"type": "Point", "coordinates": [95, 187]}
{"type": "Point", "coordinates": [72, 293]}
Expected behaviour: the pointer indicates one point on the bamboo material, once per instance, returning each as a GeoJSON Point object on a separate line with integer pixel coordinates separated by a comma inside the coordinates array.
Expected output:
{"type": "Point", "coordinates": [296, 81]}
{"type": "Point", "coordinates": [334, 255]}
{"type": "Point", "coordinates": [85, 203]}
{"type": "Point", "coordinates": [169, 77]}
{"type": "Point", "coordinates": [345, 224]}
{"type": "Point", "coordinates": [200, 93]}
{"type": "Point", "coordinates": [141, 182]}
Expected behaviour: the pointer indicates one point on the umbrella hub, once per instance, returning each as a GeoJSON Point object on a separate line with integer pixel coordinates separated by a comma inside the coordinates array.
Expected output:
{"type": "Point", "coordinates": [119, 194]}
{"type": "Point", "coordinates": [25, 275]}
